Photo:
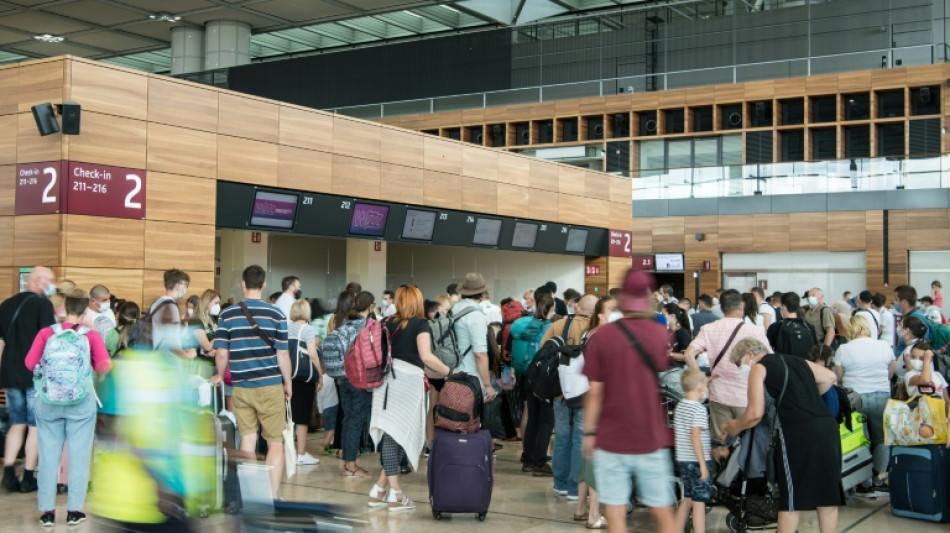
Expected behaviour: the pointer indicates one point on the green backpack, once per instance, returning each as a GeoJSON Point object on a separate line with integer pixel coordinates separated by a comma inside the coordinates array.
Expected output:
{"type": "Point", "coordinates": [526, 334]}
{"type": "Point", "coordinates": [940, 341]}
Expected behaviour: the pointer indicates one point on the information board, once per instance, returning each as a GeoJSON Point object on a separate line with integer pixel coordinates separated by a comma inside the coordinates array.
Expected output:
{"type": "Point", "coordinates": [525, 235]}
{"type": "Point", "coordinates": [669, 262]}
{"type": "Point", "coordinates": [40, 188]}
{"type": "Point", "coordinates": [369, 219]}
{"type": "Point", "coordinates": [419, 225]}
{"type": "Point", "coordinates": [576, 241]}
{"type": "Point", "coordinates": [105, 191]}
{"type": "Point", "coordinates": [486, 231]}
{"type": "Point", "coordinates": [273, 210]}
{"type": "Point", "coordinates": [620, 243]}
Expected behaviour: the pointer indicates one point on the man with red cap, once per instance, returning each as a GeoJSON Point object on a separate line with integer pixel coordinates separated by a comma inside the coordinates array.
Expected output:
{"type": "Point", "coordinates": [625, 426]}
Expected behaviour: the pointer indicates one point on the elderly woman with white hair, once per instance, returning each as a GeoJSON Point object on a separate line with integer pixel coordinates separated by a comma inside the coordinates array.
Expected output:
{"type": "Point", "coordinates": [808, 453]}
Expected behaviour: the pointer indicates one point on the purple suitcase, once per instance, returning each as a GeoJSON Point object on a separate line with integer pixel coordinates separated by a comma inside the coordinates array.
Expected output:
{"type": "Point", "coordinates": [460, 473]}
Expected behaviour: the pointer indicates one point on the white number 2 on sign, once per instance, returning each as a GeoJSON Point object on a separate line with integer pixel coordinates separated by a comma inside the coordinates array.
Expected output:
{"type": "Point", "coordinates": [137, 188]}
{"type": "Point", "coordinates": [51, 172]}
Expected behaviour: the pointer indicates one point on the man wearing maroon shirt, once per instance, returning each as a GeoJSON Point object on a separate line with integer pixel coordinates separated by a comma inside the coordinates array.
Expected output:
{"type": "Point", "coordinates": [626, 432]}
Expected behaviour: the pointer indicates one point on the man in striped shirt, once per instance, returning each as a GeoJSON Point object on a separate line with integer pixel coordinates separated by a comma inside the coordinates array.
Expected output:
{"type": "Point", "coordinates": [252, 339]}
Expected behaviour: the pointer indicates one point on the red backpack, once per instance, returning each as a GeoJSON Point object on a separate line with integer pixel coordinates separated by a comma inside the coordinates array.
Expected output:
{"type": "Point", "coordinates": [460, 404]}
{"type": "Point", "coordinates": [368, 360]}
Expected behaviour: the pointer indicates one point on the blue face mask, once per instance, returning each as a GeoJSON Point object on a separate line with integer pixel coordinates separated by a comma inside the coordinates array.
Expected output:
{"type": "Point", "coordinates": [50, 290]}
{"type": "Point", "coordinates": [897, 308]}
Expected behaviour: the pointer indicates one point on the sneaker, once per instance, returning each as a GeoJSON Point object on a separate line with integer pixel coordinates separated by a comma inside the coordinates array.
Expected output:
{"type": "Point", "coordinates": [882, 488]}
{"type": "Point", "coordinates": [28, 484]}
{"type": "Point", "coordinates": [48, 519]}
{"type": "Point", "coordinates": [543, 471]}
{"type": "Point", "coordinates": [560, 492]}
{"type": "Point", "coordinates": [74, 518]}
{"type": "Point", "coordinates": [10, 482]}
{"type": "Point", "coordinates": [307, 459]}
{"type": "Point", "coordinates": [866, 492]}
{"type": "Point", "coordinates": [528, 467]}
{"type": "Point", "coordinates": [572, 497]}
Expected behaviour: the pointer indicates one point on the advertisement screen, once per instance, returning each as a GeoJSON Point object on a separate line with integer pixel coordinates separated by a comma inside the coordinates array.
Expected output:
{"type": "Point", "coordinates": [273, 210]}
{"type": "Point", "coordinates": [669, 262]}
{"type": "Point", "coordinates": [525, 235]}
{"type": "Point", "coordinates": [486, 231]}
{"type": "Point", "coordinates": [576, 241]}
{"type": "Point", "coordinates": [419, 225]}
{"type": "Point", "coordinates": [369, 219]}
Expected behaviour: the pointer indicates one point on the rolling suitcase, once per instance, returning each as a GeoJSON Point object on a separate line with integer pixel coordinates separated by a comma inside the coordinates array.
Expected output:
{"type": "Point", "coordinates": [225, 465]}
{"type": "Point", "coordinates": [857, 467]}
{"type": "Point", "coordinates": [920, 482]}
{"type": "Point", "coordinates": [460, 473]}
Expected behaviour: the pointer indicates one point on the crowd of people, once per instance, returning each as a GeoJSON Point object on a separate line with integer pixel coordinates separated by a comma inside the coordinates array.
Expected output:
{"type": "Point", "coordinates": [612, 436]}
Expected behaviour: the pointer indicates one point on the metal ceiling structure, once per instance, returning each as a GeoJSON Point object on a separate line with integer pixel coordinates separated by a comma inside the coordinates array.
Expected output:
{"type": "Point", "coordinates": [137, 33]}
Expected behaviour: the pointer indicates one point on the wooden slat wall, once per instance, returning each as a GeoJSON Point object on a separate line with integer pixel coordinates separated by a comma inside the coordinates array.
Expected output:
{"type": "Point", "coordinates": [188, 136]}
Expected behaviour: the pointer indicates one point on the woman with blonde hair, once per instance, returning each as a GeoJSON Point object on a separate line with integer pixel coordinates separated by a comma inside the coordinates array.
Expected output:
{"type": "Point", "coordinates": [398, 420]}
{"type": "Point", "coordinates": [301, 337]}
{"type": "Point", "coordinates": [205, 320]}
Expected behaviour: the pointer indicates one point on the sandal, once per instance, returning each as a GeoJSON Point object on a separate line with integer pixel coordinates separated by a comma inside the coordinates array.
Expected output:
{"type": "Point", "coordinates": [377, 497]}
{"type": "Point", "coordinates": [581, 517]}
{"type": "Point", "coordinates": [359, 472]}
{"type": "Point", "coordinates": [397, 504]}
{"type": "Point", "coordinates": [600, 523]}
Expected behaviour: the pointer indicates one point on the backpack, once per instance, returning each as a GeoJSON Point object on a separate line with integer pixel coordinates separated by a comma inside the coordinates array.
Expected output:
{"type": "Point", "coordinates": [543, 377]}
{"type": "Point", "coordinates": [939, 340]}
{"type": "Point", "coordinates": [368, 359]}
{"type": "Point", "coordinates": [64, 373]}
{"type": "Point", "coordinates": [140, 333]}
{"type": "Point", "coordinates": [334, 347]}
{"type": "Point", "coordinates": [460, 404]}
{"type": "Point", "coordinates": [444, 339]}
{"type": "Point", "coordinates": [302, 369]}
{"type": "Point", "coordinates": [795, 337]}
{"type": "Point", "coordinates": [525, 336]}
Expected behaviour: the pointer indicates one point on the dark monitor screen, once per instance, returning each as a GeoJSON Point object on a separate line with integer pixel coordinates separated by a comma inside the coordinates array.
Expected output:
{"type": "Point", "coordinates": [273, 210]}
{"type": "Point", "coordinates": [576, 241]}
{"type": "Point", "coordinates": [369, 219]}
{"type": "Point", "coordinates": [525, 235]}
{"type": "Point", "coordinates": [486, 231]}
{"type": "Point", "coordinates": [419, 225]}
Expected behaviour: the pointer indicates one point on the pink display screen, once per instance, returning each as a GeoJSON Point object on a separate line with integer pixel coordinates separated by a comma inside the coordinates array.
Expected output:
{"type": "Point", "coordinates": [273, 210]}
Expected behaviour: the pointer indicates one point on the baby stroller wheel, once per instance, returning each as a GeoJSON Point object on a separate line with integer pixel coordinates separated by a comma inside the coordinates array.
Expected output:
{"type": "Point", "coordinates": [735, 524]}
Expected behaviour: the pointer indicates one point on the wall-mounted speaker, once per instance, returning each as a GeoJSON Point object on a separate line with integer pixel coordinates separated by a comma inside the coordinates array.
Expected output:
{"type": "Point", "coordinates": [45, 117]}
{"type": "Point", "coordinates": [546, 132]}
{"type": "Point", "coordinates": [498, 135]}
{"type": "Point", "coordinates": [72, 113]}
{"type": "Point", "coordinates": [522, 134]}
{"type": "Point", "coordinates": [735, 119]}
{"type": "Point", "coordinates": [923, 96]}
{"type": "Point", "coordinates": [648, 123]}
{"type": "Point", "coordinates": [621, 125]}
{"type": "Point", "coordinates": [595, 128]}
{"type": "Point", "coordinates": [700, 237]}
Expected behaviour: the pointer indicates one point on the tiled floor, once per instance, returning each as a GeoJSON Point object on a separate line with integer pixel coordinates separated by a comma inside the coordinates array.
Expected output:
{"type": "Point", "coordinates": [520, 503]}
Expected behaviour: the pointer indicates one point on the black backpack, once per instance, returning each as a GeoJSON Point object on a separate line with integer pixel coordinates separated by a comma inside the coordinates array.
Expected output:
{"type": "Point", "coordinates": [543, 378]}
{"type": "Point", "coordinates": [795, 337]}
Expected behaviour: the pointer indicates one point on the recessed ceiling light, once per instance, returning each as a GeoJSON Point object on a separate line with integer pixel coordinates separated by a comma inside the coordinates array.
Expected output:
{"type": "Point", "coordinates": [47, 38]}
{"type": "Point", "coordinates": [164, 17]}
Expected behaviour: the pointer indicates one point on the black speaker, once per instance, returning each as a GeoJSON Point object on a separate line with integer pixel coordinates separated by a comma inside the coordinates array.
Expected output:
{"type": "Point", "coordinates": [45, 117]}
{"type": "Point", "coordinates": [72, 113]}
{"type": "Point", "coordinates": [735, 119]}
{"type": "Point", "coordinates": [522, 133]}
{"type": "Point", "coordinates": [923, 96]}
{"type": "Point", "coordinates": [569, 130]}
{"type": "Point", "coordinates": [621, 125]}
{"type": "Point", "coordinates": [475, 135]}
{"type": "Point", "coordinates": [498, 135]}
{"type": "Point", "coordinates": [595, 128]}
{"type": "Point", "coordinates": [648, 123]}
{"type": "Point", "coordinates": [546, 132]}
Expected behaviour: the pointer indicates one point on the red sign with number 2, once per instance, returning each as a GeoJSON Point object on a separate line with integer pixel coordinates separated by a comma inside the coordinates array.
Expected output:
{"type": "Point", "coordinates": [80, 189]}
{"type": "Point", "coordinates": [620, 241]}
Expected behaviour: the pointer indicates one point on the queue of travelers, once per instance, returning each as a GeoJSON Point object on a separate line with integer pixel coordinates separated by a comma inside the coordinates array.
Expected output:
{"type": "Point", "coordinates": [613, 441]}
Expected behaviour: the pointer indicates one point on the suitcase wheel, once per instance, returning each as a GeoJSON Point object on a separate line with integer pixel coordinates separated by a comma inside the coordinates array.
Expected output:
{"type": "Point", "coordinates": [481, 516]}
{"type": "Point", "coordinates": [436, 514]}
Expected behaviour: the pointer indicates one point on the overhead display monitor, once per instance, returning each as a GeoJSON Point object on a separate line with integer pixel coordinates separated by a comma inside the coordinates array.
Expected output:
{"type": "Point", "coordinates": [368, 219]}
{"type": "Point", "coordinates": [273, 210]}
{"type": "Point", "coordinates": [486, 231]}
{"type": "Point", "coordinates": [419, 225]}
{"type": "Point", "coordinates": [525, 235]}
{"type": "Point", "coordinates": [576, 241]}
{"type": "Point", "coordinates": [669, 262]}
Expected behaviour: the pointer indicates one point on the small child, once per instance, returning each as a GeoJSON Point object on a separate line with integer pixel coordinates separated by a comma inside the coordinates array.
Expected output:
{"type": "Point", "coordinates": [329, 403]}
{"type": "Point", "coordinates": [693, 462]}
{"type": "Point", "coordinates": [921, 372]}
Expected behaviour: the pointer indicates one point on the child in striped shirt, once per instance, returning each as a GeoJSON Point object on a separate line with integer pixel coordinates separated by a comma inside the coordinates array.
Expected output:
{"type": "Point", "coordinates": [695, 467]}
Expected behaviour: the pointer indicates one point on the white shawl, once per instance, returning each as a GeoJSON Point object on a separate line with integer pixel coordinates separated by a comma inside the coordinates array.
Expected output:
{"type": "Point", "coordinates": [404, 416]}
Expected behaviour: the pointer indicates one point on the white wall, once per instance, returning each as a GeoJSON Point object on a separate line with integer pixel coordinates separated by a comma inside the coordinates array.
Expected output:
{"type": "Point", "coordinates": [319, 262]}
{"type": "Point", "coordinates": [507, 273]}
{"type": "Point", "coordinates": [925, 267]}
{"type": "Point", "coordinates": [832, 272]}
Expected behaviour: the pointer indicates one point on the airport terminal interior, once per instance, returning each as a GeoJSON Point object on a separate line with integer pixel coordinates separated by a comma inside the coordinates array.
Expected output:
{"type": "Point", "coordinates": [768, 147]}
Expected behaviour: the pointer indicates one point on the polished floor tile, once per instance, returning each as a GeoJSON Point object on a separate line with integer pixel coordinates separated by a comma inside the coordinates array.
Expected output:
{"type": "Point", "coordinates": [520, 502]}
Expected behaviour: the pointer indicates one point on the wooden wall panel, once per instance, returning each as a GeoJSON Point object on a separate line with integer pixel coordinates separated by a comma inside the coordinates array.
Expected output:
{"type": "Point", "coordinates": [621, 216]}
{"type": "Point", "coordinates": [248, 117]}
{"type": "Point", "coordinates": [38, 240]}
{"type": "Point", "coordinates": [7, 191]}
{"type": "Point", "coordinates": [927, 229]}
{"type": "Point", "coordinates": [183, 104]}
{"type": "Point", "coordinates": [597, 212]}
{"type": "Point", "coordinates": [109, 140]}
{"type": "Point", "coordinates": [31, 147]}
{"type": "Point", "coordinates": [182, 151]}
{"type": "Point", "coordinates": [514, 170]}
{"type": "Point", "coordinates": [617, 270]}
{"type": "Point", "coordinates": [846, 231]}
{"type": "Point", "coordinates": [402, 148]}
{"type": "Point", "coordinates": [306, 128]}
{"type": "Point", "coordinates": [124, 283]}
{"type": "Point", "coordinates": [442, 155]}
{"type": "Point", "coordinates": [643, 235]}
{"type": "Point", "coordinates": [571, 208]}
{"type": "Point", "coordinates": [356, 138]}
{"type": "Point", "coordinates": [7, 240]}
{"type": "Point", "coordinates": [41, 81]}
{"type": "Point", "coordinates": [571, 180]}
{"type": "Point", "coordinates": [544, 204]}
{"type": "Point", "coordinates": [544, 175]}
{"type": "Point", "coordinates": [400, 184]}
{"type": "Point", "coordinates": [479, 163]}
{"type": "Point", "coordinates": [480, 196]}
{"type": "Point", "coordinates": [808, 232]}
{"type": "Point", "coordinates": [176, 198]}
{"type": "Point", "coordinates": [109, 90]}
{"type": "Point", "coordinates": [178, 245]}
{"type": "Point", "coordinates": [441, 189]}
{"type": "Point", "coordinates": [247, 161]}
{"type": "Point", "coordinates": [771, 232]}
{"type": "Point", "coordinates": [668, 234]}
{"type": "Point", "coordinates": [8, 139]}
{"type": "Point", "coordinates": [621, 189]}
{"type": "Point", "coordinates": [9, 90]}
{"type": "Point", "coordinates": [306, 170]}
{"type": "Point", "coordinates": [355, 177]}
{"type": "Point", "coordinates": [9, 282]}
{"type": "Point", "coordinates": [516, 201]}
{"type": "Point", "coordinates": [597, 185]}
{"type": "Point", "coordinates": [97, 242]}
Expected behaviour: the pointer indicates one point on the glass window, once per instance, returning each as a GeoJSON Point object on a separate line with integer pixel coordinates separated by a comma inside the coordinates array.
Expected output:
{"type": "Point", "coordinates": [731, 150]}
{"type": "Point", "coordinates": [706, 152]}
{"type": "Point", "coordinates": [651, 155]}
{"type": "Point", "coordinates": [679, 153]}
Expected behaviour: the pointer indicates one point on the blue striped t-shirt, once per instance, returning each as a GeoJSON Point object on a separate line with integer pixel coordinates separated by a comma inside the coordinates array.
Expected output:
{"type": "Point", "coordinates": [253, 363]}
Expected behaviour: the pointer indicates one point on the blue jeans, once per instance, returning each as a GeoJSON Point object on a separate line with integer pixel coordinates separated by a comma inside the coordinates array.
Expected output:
{"type": "Point", "coordinates": [21, 404]}
{"type": "Point", "coordinates": [568, 435]}
{"type": "Point", "coordinates": [357, 405]}
{"type": "Point", "coordinates": [872, 407]}
{"type": "Point", "coordinates": [74, 425]}
{"type": "Point", "coordinates": [652, 472]}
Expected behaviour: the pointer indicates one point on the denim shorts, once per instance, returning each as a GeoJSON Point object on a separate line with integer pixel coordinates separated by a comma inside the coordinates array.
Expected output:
{"type": "Point", "coordinates": [693, 487]}
{"type": "Point", "coordinates": [20, 405]}
{"type": "Point", "coordinates": [652, 473]}
{"type": "Point", "coordinates": [329, 417]}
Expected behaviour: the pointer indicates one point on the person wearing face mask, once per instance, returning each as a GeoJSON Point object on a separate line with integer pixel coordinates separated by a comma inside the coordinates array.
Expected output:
{"type": "Point", "coordinates": [166, 317]}
{"type": "Point", "coordinates": [808, 457]}
{"type": "Point", "coordinates": [820, 316]}
{"type": "Point", "coordinates": [204, 320]}
{"type": "Point", "coordinates": [21, 318]}
{"type": "Point", "coordinates": [904, 307]}
{"type": "Point", "coordinates": [922, 374]}
{"type": "Point", "coordinates": [191, 306]}
{"type": "Point", "coordinates": [291, 292]}
{"type": "Point", "coordinates": [99, 316]}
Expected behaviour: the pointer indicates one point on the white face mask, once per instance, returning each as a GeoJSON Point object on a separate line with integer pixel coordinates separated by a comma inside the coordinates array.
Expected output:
{"type": "Point", "coordinates": [812, 301]}
{"type": "Point", "coordinates": [614, 316]}
{"type": "Point", "coordinates": [215, 309]}
{"type": "Point", "coordinates": [744, 371]}
{"type": "Point", "coordinates": [191, 312]}
{"type": "Point", "coordinates": [917, 365]}
{"type": "Point", "coordinates": [104, 307]}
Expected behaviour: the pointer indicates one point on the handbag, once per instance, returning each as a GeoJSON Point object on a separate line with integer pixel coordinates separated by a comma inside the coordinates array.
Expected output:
{"type": "Point", "coordinates": [302, 368]}
{"type": "Point", "coordinates": [915, 422]}
{"type": "Point", "coordinates": [772, 456]}
{"type": "Point", "coordinates": [290, 450]}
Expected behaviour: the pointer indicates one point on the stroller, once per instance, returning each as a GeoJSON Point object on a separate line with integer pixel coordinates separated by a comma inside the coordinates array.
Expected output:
{"type": "Point", "coordinates": [742, 486]}
{"type": "Point", "coordinates": [671, 391]}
